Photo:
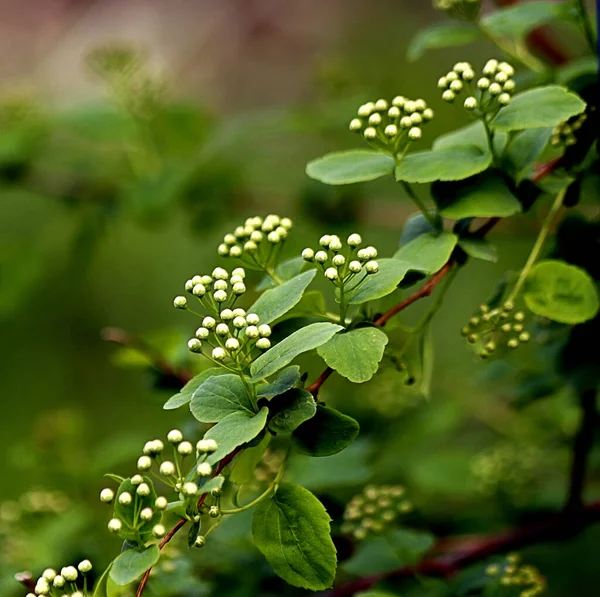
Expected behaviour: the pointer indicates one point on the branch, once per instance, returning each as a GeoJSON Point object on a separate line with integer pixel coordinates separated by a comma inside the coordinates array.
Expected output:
{"type": "Point", "coordinates": [456, 555]}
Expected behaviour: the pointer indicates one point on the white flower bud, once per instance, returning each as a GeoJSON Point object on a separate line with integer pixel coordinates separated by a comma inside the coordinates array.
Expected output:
{"type": "Point", "coordinates": [451, 76]}
{"type": "Point", "coordinates": [194, 345]}
{"type": "Point", "coordinates": [219, 354]}
{"type": "Point", "coordinates": [200, 541]}
{"type": "Point", "coordinates": [470, 103]}
{"type": "Point", "coordinates": [235, 251]}
{"type": "Point", "coordinates": [161, 503]}
{"type": "Point", "coordinates": [325, 240]}
{"type": "Point", "coordinates": [409, 106]}
{"type": "Point", "coordinates": [504, 99]}
{"type": "Point", "coordinates": [391, 130]}
{"type": "Point", "coordinates": [209, 323]}
{"type": "Point", "coordinates": [250, 246]}
{"type": "Point", "coordinates": [252, 319]}
{"type": "Point", "coordinates": [146, 514]}
{"type": "Point", "coordinates": [222, 329]}
{"type": "Point", "coordinates": [372, 267]}
{"type": "Point", "coordinates": [235, 279]}
{"type": "Point", "coordinates": [263, 344]}
{"type": "Point", "coordinates": [220, 296]}
{"type": "Point", "coordinates": [69, 573]}
{"type": "Point", "coordinates": [188, 286]}
{"type": "Point", "coordinates": [202, 333]}
{"type": "Point", "coordinates": [399, 101]}
{"type": "Point", "coordinates": [143, 489]}
{"type": "Point", "coordinates": [239, 322]}
{"type": "Point", "coordinates": [185, 448]}
{"type": "Point", "coordinates": [363, 254]}
{"type": "Point", "coordinates": [180, 302]}
{"type": "Point", "coordinates": [159, 531]}
{"type": "Point", "coordinates": [174, 436]}
{"type": "Point", "coordinates": [167, 468]}
{"type": "Point", "coordinates": [107, 496]}
{"type": "Point", "coordinates": [442, 83]}
{"type": "Point", "coordinates": [456, 86]}
{"type": "Point", "coordinates": [375, 119]}
{"type": "Point", "coordinates": [394, 112]}
{"type": "Point", "coordinates": [206, 280]}
{"type": "Point", "coordinates": [226, 314]}
{"type": "Point", "coordinates": [264, 330]}
{"type": "Point", "coordinates": [204, 469]}
{"type": "Point", "coordinates": [206, 445]}
{"type": "Point", "coordinates": [42, 587]}
{"type": "Point", "coordinates": [286, 223]}
{"type": "Point", "coordinates": [331, 273]}
{"type": "Point", "coordinates": [49, 574]}
{"type": "Point", "coordinates": [501, 78]}
{"type": "Point", "coordinates": [239, 288]}
{"type": "Point", "coordinates": [308, 255]}
{"type": "Point", "coordinates": [189, 489]}
{"type": "Point", "coordinates": [355, 125]}
{"type": "Point", "coordinates": [252, 331]}
{"type": "Point", "coordinates": [416, 118]}
{"type": "Point", "coordinates": [114, 525]}
{"type": "Point", "coordinates": [223, 250]}
{"type": "Point", "coordinates": [415, 133]}
{"type": "Point", "coordinates": [239, 312]}
{"type": "Point", "coordinates": [505, 67]}
{"type": "Point", "coordinates": [381, 105]}
{"type": "Point", "coordinates": [370, 133]}
{"type": "Point", "coordinates": [137, 479]}
{"type": "Point", "coordinates": [355, 267]}
{"type": "Point", "coordinates": [335, 244]}
{"type": "Point", "coordinates": [420, 105]}
{"type": "Point", "coordinates": [490, 68]}
{"type": "Point", "coordinates": [125, 498]}
{"type": "Point", "coordinates": [58, 582]}
{"type": "Point", "coordinates": [144, 463]}
{"type": "Point", "coordinates": [366, 109]}
{"type": "Point", "coordinates": [509, 86]}
{"type": "Point", "coordinates": [495, 89]}
{"type": "Point", "coordinates": [229, 239]}
{"type": "Point", "coordinates": [468, 75]}
{"type": "Point", "coordinates": [220, 285]}
{"type": "Point", "coordinates": [199, 290]}
{"type": "Point", "coordinates": [483, 83]}
{"type": "Point", "coordinates": [371, 252]}
{"type": "Point", "coordinates": [321, 256]}
{"type": "Point", "coordinates": [405, 122]}
{"type": "Point", "coordinates": [448, 96]}
{"type": "Point", "coordinates": [338, 260]}
{"type": "Point", "coordinates": [240, 232]}
{"type": "Point", "coordinates": [354, 240]}
{"type": "Point", "coordinates": [232, 344]}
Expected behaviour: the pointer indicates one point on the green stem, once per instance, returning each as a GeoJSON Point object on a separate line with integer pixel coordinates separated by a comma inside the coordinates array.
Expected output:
{"type": "Point", "coordinates": [419, 203]}
{"type": "Point", "coordinates": [517, 54]}
{"type": "Point", "coordinates": [490, 139]}
{"type": "Point", "coordinates": [539, 243]}
{"type": "Point", "coordinates": [587, 25]}
{"type": "Point", "coordinates": [271, 272]}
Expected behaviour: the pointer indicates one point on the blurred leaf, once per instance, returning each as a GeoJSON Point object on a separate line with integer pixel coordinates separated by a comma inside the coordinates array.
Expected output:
{"type": "Point", "coordinates": [441, 35]}
{"type": "Point", "coordinates": [131, 564]}
{"type": "Point", "coordinates": [290, 410]}
{"type": "Point", "coordinates": [246, 462]}
{"type": "Point", "coordinates": [428, 252]}
{"type": "Point", "coordinates": [346, 167]}
{"type": "Point", "coordinates": [479, 248]}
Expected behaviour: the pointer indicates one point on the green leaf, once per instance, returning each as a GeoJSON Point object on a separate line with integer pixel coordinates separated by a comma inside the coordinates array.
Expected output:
{"type": "Point", "coordinates": [291, 529]}
{"type": "Point", "coordinates": [291, 410]}
{"type": "Point", "coordinates": [355, 354]}
{"type": "Point", "coordinates": [101, 585]}
{"type": "Point", "coordinates": [185, 394]}
{"type": "Point", "coordinates": [305, 339]}
{"type": "Point", "coordinates": [246, 462]}
{"type": "Point", "coordinates": [479, 248]}
{"type": "Point", "coordinates": [220, 396]}
{"type": "Point", "coordinates": [234, 430]}
{"type": "Point", "coordinates": [515, 22]}
{"type": "Point", "coordinates": [214, 483]}
{"type": "Point", "coordinates": [273, 303]}
{"type": "Point", "coordinates": [133, 529]}
{"type": "Point", "coordinates": [131, 564]}
{"type": "Point", "coordinates": [471, 134]}
{"type": "Point", "coordinates": [346, 167]}
{"type": "Point", "coordinates": [417, 224]}
{"type": "Point", "coordinates": [385, 281]}
{"type": "Point", "coordinates": [285, 271]}
{"type": "Point", "coordinates": [282, 383]}
{"type": "Point", "coordinates": [561, 292]}
{"type": "Point", "coordinates": [429, 252]}
{"type": "Point", "coordinates": [525, 150]}
{"type": "Point", "coordinates": [327, 433]}
{"type": "Point", "coordinates": [485, 195]}
{"type": "Point", "coordinates": [444, 164]}
{"type": "Point", "coordinates": [540, 107]}
{"type": "Point", "coordinates": [441, 35]}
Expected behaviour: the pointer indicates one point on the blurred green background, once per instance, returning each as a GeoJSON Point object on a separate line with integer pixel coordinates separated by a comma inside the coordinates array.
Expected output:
{"type": "Point", "coordinates": [133, 135]}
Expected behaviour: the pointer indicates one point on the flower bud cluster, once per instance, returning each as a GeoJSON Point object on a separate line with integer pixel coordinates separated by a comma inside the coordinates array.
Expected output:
{"type": "Point", "coordinates": [71, 581]}
{"type": "Point", "coordinates": [487, 95]}
{"type": "Point", "coordinates": [373, 510]}
{"type": "Point", "coordinates": [492, 329]}
{"type": "Point", "coordinates": [525, 580]}
{"type": "Point", "coordinates": [565, 134]}
{"type": "Point", "coordinates": [463, 10]}
{"type": "Point", "coordinates": [392, 126]}
{"type": "Point", "coordinates": [257, 241]}
{"type": "Point", "coordinates": [342, 266]}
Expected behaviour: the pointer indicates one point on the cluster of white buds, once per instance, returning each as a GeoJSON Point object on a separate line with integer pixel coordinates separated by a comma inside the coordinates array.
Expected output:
{"type": "Point", "coordinates": [257, 241]}
{"type": "Point", "coordinates": [373, 510]}
{"type": "Point", "coordinates": [464, 10]}
{"type": "Point", "coordinates": [216, 292]}
{"type": "Point", "coordinates": [485, 96]}
{"type": "Point", "coordinates": [565, 134]}
{"type": "Point", "coordinates": [526, 580]}
{"type": "Point", "coordinates": [342, 267]}
{"type": "Point", "coordinates": [71, 581]}
{"type": "Point", "coordinates": [391, 126]}
{"type": "Point", "coordinates": [492, 329]}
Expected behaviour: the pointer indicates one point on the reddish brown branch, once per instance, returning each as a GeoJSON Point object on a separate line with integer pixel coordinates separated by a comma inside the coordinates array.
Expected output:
{"type": "Point", "coordinates": [314, 387]}
{"type": "Point", "coordinates": [454, 555]}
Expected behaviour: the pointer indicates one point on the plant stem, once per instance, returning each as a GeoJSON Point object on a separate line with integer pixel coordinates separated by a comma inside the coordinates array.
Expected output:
{"type": "Point", "coordinates": [490, 139]}
{"type": "Point", "coordinates": [419, 203]}
{"type": "Point", "coordinates": [587, 26]}
{"type": "Point", "coordinates": [539, 243]}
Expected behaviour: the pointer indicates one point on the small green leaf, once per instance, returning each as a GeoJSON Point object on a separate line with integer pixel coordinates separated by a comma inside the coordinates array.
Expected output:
{"type": "Point", "coordinates": [234, 430]}
{"type": "Point", "coordinates": [385, 281]}
{"type": "Point", "coordinates": [429, 252]}
{"type": "Point", "coordinates": [355, 354]}
{"type": "Point", "coordinates": [193, 534]}
{"type": "Point", "coordinates": [131, 564]}
{"type": "Point", "coordinates": [116, 478]}
{"type": "Point", "coordinates": [291, 529]}
{"type": "Point", "coordinates": [134, 530]}
{"type": "Point", "coordinates": [327, 433]}
{"type": "Point", "coordinates": [214, 483]}
{"type": "Point", "coordinates": [418, 224]}
{"type": "Point", "coordinates": [540, 107]}
{"type": "Point", "coordinates": [285, 271]}
{"type": "Point", "coordinates": [305, 339]}
{"type": "Point", "coordinates": [220, 396]}
{"type": "Point", "coordinates": [485, 195]}
{"type": "Point", "coordinates": [282, 383]}
{"type": "Point", "coordinates": [101, 589]}
{"type": "Point", "coordinates": [471, 134]}
{"type": "Point", "coordinates": [346, 167]}
{"type": "Point", "coordinates": [525, 150]}
{"type": "Point", "coordinates": [441, 35]}
{"type": "Point", "coordinates": [273, 303]}
{"type": "Point", "coordinates": [561, 292]}
{"type": "Point", "coordinates": [445, 164]}
{"type": "Point", "coordinates": [479, 248]}
{"type": "Point", "coordinates": [185, 394]}
{"type": "Point", "coordinates": [291, 409]}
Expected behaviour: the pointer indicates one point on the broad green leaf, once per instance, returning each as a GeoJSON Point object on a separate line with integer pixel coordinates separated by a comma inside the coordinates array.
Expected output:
{"type": "Point", "coordinates": [586, 66]}
{"type": "Point", "coordinates": [471, 134]}
{"type": "Point", "coordinates": [429, 252]}
{"type": "Point", "coordinates": [291, 410]}
{"type": "Point", "coordinates": [384, 282]}
{"type": "Point", "coordinates": [234, 430]}
{"type": "Point", "coordinates": [540, 107]}
{"type": "Point", "coordinates": [282, 383]}
{"type": "Point", "coordinates": [131, 564]}
{"type": "Point", "coordinates": [416, 225]}
{"type": "Point", "coordinates": [561, 292]}
{"type": "Point", "coordinates": [479, 248]}
{"type": "Point", "coordinates": [355, 354]}
{"type": "Point", "coordinates": [515, 22]}
{"type": "Point", "coordinates": [485, 195]}
{"type": "Point", "coordinates": [346, 167]}
{"type": "Point", "coordinates": [312, 304]}
{"type": "Point", "coordinates": [444, 164]}
{"type": "Point", "coordinates": [525, 150]}
{"type": "Point", "coordinates": [305, 339]}
{"type": "Point", "coordinates": [185, 394]}
{"type": "Point", "coordinates": [291, 529]}
{"type": "Point", "coordinates": [220, 396]}
{"type": "Point", "coordinates": [442, 35]}
{"type": "Point", "coordinates": [101, 585]}
{"type": "Point", "coordinates": [245, 463]}
{"type": "Point", "coordinates": [285, 271]}
{"type": "Point", "coordinates": [273, 303]}
{"type": "Point", "coordinates": [327, 433]}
